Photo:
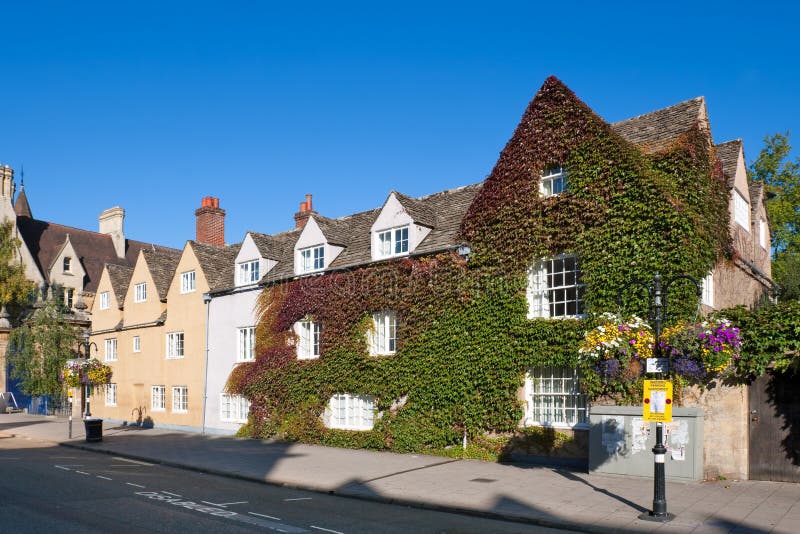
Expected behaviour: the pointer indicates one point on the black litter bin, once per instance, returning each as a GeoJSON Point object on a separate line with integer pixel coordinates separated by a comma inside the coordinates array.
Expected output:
{"type": "Point", "coordinates": [94, 429]}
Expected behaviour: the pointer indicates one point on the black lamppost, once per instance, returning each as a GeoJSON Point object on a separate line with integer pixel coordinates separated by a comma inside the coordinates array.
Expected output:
{"type": "Point", "coordinates": [657, 299]}
{"type": "Point", "coordinates": [87, 350]}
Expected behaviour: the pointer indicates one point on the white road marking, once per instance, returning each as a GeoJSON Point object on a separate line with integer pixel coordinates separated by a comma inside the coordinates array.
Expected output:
{"type": "Point", "coordinates": [327, 530]}
{"type": "Point", "coordinates": [81, 472]}
{"type": "Point", "coordinates": [62, 467]}
{"type": "Point", "coordinates": [9, 458]}
{"type": "Point", "coordinates": [128, 460]}
{"type": "Point", "coordinates": [168, 493]}
{"type": "Point", "coordinates": [223, 504]}
{"type": "Point", "coordinates": [267, 516]}
{"type": "Point", "coordinates": [298, 499]}
{"type": "Point", "coordinates": [134, 485]}
{"type": "Point", "coordinates": [104, 478]}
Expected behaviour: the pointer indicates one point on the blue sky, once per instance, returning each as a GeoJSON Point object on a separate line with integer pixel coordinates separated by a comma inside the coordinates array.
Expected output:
{"type": "Point", "coordinates": [154, 105]}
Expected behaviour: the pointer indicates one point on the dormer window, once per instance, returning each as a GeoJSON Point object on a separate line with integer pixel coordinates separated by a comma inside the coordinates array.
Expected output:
{"type": "Point", "coordinates": [553, 182]}
{"type": "Point", "coordinates": [312, 259]}
{"type": "Point", "coordinates": [393, 242]}
{"type": "Point", "coordinates": [741, 211]}
{"type": "Point", "coordinates": [67, 264]}
{"type": "Point", "coordinates": [248, 272]}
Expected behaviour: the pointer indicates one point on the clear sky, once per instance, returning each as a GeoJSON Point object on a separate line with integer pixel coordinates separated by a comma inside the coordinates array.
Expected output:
{"type": "Point", "coordinates": [152, 105]}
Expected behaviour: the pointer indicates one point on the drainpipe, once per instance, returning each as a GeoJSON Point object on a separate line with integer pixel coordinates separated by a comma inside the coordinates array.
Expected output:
{"type": "Point", "coordinates": [207, 301]}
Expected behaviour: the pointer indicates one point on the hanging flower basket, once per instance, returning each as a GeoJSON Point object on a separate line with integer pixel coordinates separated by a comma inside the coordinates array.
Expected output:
{"type": "Point", "coordinates": [89, 372]}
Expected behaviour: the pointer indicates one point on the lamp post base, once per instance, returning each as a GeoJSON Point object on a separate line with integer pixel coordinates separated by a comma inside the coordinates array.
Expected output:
{"type": "Point", "coordinates": [663, 518]}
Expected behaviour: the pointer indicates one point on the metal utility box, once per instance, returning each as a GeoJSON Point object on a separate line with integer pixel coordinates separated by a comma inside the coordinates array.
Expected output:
{"type": "Point", "coordinates": [621, 442]}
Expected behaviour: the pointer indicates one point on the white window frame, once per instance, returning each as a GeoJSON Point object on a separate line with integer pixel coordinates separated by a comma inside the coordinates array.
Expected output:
{"type": "Point", "coordinates": [111, 394]}
{"type": "Point", "coordinates": [249, 272]}
{"type": "Point", "coordinates": [111, 349]}
{"type": "Point", "coordinates": [741, 210]}
{"type": "Point", "coordinates": [553, 398]}
{"type": "Point", "coordinates": [351, 412]}
{"type": "Point", "coordinates": [382, 337]}
{"type": "Point", "coordinates": [233, 408]}
{"type": "Point", "coordinates": [393, 242]}
{"type": "Point", "coordinates": [69, 297]}
{"type": "Point", "coordinates": [707, 287]}
{"type": "Point", "coordinates": [308, 344]}
{"type": "Point", "coordinates": [246, 338]}
{"type": "Point", "coordinates": [188, 282]}
{"type": "Point", "coordinates": [555, 294]}
{"type": "Point", "coordinates": [312, 259]}
{"type": "Point", "coordinates": [180, 399]}
{"type": "Point", "coordinates": [553, 182]}
{"type": "Point", "coordinates": [140, 292]}
{"type": "Point", "coordinates": [175, 345]}
{"type": "Point", "coordinates": [158, 398]}
{"type": "Point", "coordinates": [66, 264]}
{"type": "Point", "coordinates": [762, 234]}
{"type": "Point", "coordinates": [137, 344]}
{"type": "Point", "coordinates": [105, 300]}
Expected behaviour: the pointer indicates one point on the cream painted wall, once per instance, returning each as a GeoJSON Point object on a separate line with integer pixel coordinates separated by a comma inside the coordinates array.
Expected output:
{"type": "Point", "coordinates": [137, 313]}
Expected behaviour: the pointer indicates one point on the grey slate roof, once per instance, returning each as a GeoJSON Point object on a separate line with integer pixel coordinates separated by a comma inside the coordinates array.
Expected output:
{"type": "Point", "coordinates": [656, 130]}
{"type": "Point", "coordinates": [217, 263]}
{"type": "Point", "coordinates": [120, 277]}
{"type": "Point", "coordinates": [728, 155]}
{"type": "Point", "coordinates": [162, 263]}
{"type": "Point", "coordinates": [336, 231]}
{"type": "Point", "coordinates": [267, 245]}
{"type": "Point", "coordinates": [419, 210]}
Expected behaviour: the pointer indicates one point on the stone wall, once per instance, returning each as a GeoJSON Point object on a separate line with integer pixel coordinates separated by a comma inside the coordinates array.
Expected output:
{"type": "Point", "coordinates": [726, 428]}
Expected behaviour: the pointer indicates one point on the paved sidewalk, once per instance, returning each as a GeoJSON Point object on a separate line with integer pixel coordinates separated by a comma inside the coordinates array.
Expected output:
{"type": "Point", "coordinates": [538, 495]}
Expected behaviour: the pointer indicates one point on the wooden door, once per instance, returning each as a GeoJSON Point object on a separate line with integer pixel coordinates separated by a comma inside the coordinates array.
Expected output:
{"type": "Point", "coordinates": [775, 428]}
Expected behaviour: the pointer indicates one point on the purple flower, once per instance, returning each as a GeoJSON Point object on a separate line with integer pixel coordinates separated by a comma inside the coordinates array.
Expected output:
{"type": "Point", "coordinates": [608, 368]}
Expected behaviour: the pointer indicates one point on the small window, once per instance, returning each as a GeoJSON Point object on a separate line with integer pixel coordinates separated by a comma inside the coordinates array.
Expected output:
{"type": "Point", "coordinates": [111, 349]}
{"type": "Point", "coordinates": [247, 341]}
{"type": "Point", "coordinates": [105, 300]}
{"type": "Point", "coordinates": [248, 272]}
{"type": "Point", "coordinates": [312, 259]}
{"type": "Point", "coordinates": [180, 399]}
{"type": "Point", "coordinates": [741, 211]}
{"type": "Point", "coordinates": [69, 297]}
{"type": "Point", "coordinates": [233, 408]}
{"type": "Point", "coordinates": [553, 182]}
{"type": "Point", "coordinates": [111, 394]}
{"type": "Point", "coordinates": [174, 345]}
{"type": "Point", "coordinates": [352, 412]}
{"type": "Point", "coordinates": [140, 292]}
{"type": "Point", "coordinates": [137, 344]}
{"type": "Point", "coordinates": [393, 242]}
{"type": "Point", "coordinates": [67, 264]}
{"type": "Point", "coordinates": [763, 238]}
{"type": "Point", "coordinates": [308, 346]}
{"type": "Point", "coordinates": [187, 282]}
{"type": "Point", "coordinates": [556, 288]}
{"type": "Point", "coordinates": [708, 290]}
{"type": "Point", "coordinates": [554, 398]}
{"type": "Point", "coordinates": [383, 335]}
{"type": "Point", "coordinates": [158, 400]}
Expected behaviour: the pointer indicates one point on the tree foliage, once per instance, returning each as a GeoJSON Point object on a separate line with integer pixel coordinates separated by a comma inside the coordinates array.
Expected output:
{"type": "Point", "coordinates": [781, 178]}
{"type": "Point", "coordinates": [39, 349]}
{"type": "Point", "coordinates": [14, 287]}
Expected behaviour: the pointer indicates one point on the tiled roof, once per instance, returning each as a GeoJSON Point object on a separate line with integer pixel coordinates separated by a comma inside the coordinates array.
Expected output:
{"type": "Point", "coordinates": [45, 240]}
{"type": "Point", "coordinates": [162, 262]}
{"type": "Point", "coordinates": [417, 209]}
{"type": "Point", "coordinates": [728, 155]}
{"type": "Point", "coordinates": [216, 262]}
{"type": "Point", "coordinates": [120, 277]}
{"type": "Point", "coordinates": [354, 231]}
{"type": "Point", "coordinates": [656, 130]}
{"type": "Point", "coordinates": [267, 246]}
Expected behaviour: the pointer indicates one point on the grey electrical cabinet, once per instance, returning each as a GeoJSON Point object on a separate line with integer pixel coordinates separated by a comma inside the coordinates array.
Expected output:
{"type": "Point", "coordinates": [621, 442]}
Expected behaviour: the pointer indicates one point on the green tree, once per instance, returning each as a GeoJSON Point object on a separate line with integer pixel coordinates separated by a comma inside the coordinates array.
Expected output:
{"type": "Point", "coordinates": [39, 349]}
{"type": "Point", "coordinates": [14, 287]}
{"type": "Point", "coordinates": [781, 178]}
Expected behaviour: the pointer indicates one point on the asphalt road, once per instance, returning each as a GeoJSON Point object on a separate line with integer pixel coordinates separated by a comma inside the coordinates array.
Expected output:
{"type": "Point", "coordinates": [50, 489]}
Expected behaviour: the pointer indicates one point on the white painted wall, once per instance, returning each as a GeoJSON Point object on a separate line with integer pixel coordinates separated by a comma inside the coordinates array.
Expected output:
{"type": "Point", "coordinates": [227, 314]}
{"type": "Point", "coordinates": [249, 252]}
{"type": "Point", "coordinates": [394, 215]}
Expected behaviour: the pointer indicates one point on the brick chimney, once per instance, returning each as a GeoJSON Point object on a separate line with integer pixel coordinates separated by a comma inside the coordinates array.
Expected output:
{"type": "Point", "coordinates": [210, 222]}
{"type": "Point", "coordinates": [306, 210]}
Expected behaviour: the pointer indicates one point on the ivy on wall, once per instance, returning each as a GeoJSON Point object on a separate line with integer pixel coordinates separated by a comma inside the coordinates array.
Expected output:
{"type": "Point", "coordinates": [464, 342]}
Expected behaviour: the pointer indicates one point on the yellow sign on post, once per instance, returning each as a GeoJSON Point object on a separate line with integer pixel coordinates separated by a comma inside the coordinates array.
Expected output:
{"type": "Point", "coordinates": [657, 401]}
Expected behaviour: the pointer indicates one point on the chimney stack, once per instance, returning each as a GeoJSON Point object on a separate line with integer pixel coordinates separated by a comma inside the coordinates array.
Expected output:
{"type": "Point", "coordinates": [210, 222]}
{"type": "Point", "coordinates": [110, 222]}
{"type": "Point", "coordinates": [301, 217]}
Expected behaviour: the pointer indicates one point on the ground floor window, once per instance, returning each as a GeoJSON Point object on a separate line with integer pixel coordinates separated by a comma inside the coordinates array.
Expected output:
{"type": "Point", "coordinates": [111, 394]}
{"type": "Point", "coordinates": [553, 398]}
{"type": "Point", "coordinates": [158, 396]}
{"type": "Point", "coordinates": [233, 408]}
{"type": "Point", "coordinates": [180, 399]}
{"type": "Point", "coordinates": [351, 412]}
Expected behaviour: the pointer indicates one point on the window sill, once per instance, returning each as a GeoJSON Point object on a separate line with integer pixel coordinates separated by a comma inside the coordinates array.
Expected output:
{"type": "Point", "coordinates": [308, 357]}
{"type": "Point", "coordinates": [158, 410]}
{"type": "Point", "coordinates": [175, 357]}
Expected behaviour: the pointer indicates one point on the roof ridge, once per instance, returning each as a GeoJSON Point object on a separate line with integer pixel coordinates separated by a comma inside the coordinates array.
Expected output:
{"type": "Point", "coordinates": [697, 98]}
